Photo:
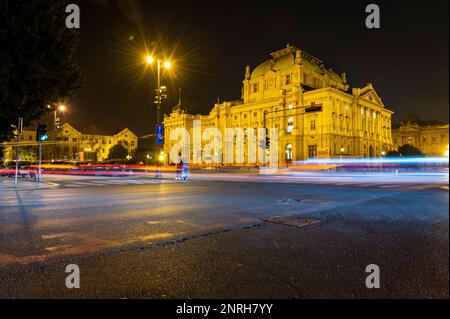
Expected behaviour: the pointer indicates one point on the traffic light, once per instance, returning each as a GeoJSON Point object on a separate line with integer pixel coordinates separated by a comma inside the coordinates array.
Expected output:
{"type": "Point", "coordinates": [58, 122]}
{"type": "Point", "coordinates": [267, 143]}
{"type": "Point", "coordinates": [41, 133]}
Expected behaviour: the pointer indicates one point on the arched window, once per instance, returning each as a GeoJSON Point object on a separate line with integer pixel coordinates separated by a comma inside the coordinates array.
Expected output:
{"type": "Point", "coordinates": [290, 125]}
{"type": "Point", "coordinates": [289, 152]}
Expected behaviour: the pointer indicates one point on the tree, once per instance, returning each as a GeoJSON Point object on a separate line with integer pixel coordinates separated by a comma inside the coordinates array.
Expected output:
{"type": "Point", "coordinates": [117, 152]}
{"type": "Point", "coordinates": [38, 64]}
{"type": "Point", "coordinates": [28, 154]}
{"type": "Point", "coordinates": [393, 153]}
{"type": "Point", "coordinates": [406, 150]}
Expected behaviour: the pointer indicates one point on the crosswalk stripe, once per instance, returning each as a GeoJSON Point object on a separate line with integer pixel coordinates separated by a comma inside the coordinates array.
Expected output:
{"type": "Point", "coordinates": [113, 182]}
{"type": "Point", "coordinates": [100, 182]}
{"type": "Point", "coordinates": [74, 185]}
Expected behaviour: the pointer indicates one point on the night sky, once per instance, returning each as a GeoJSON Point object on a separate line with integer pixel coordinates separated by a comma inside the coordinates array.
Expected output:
{"type": "Point", "coordinates": [211, 42]}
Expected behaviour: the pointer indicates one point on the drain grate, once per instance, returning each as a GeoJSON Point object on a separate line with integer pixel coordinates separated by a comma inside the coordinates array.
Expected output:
{"type": "Point", "coordinates": [297, 221]}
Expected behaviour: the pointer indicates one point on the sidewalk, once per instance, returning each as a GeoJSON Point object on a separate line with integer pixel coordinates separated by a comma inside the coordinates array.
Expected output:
{"type": "Point", "coordinates": [8, 183]}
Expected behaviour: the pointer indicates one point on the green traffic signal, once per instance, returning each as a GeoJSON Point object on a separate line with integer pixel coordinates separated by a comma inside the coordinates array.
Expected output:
{"type": "Point", "coordinates": [41, 133]}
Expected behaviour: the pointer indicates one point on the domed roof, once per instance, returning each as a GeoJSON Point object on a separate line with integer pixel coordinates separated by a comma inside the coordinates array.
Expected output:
{"type": "Point", "coordinates": [179, 108]}
{"type": "Point", "coordinates": [285, 58]}
{"type": "Point", "coordinates": [281, 63]}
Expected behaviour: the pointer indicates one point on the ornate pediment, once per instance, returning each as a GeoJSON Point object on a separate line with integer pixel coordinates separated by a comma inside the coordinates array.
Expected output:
{"type": "Point", "coordinates": [369, 93]}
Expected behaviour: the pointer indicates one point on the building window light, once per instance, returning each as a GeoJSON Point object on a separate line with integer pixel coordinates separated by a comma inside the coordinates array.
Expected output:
{"type": "Point", "coordinates": [290, 126]}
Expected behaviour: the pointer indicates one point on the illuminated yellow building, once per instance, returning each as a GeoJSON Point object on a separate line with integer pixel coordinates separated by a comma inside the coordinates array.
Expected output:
{"type": "Point", "coordinates": [315, 110]}
{"type": "Point", "coordinates": [430, 137]}
{"type": "Point", "coordinates": [69, 144]}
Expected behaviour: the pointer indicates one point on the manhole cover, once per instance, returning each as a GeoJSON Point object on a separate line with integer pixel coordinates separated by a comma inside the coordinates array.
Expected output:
{"type": "Point", "coordinates": [298, 221]}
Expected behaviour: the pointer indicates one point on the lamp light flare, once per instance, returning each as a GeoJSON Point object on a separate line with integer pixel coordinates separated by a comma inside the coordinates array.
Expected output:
{"type": "Point", "coordinates": [150, 59]}
{"type": "Point", "coordinates": [167, 65]}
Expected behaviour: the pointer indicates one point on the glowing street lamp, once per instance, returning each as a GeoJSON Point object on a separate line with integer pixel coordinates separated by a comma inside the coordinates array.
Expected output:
{"type": "Point", "coordinates": [56, 122]}
{"type": "Point", "coordinates": [166, 65]}
{"type": "Point", "coordinates": [159, 94]}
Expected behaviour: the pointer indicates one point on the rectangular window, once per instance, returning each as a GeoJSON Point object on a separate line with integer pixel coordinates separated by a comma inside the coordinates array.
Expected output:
{"type": "Point", "coordinates": [312, 151]}
{"type": "Point", "coordinates": [288, 79]}
{"type": "Point", "coordinates": [313, 125]}
{"type": "Point", "coordinates": [255, 87]}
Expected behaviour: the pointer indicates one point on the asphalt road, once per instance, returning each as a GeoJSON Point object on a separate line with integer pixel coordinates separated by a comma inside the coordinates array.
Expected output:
{"type": "Point", "coordinates": [146, 238]}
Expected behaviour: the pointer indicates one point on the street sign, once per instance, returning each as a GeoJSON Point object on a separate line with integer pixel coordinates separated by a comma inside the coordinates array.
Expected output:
{"type": "Point", "coordinates": [159, 134]}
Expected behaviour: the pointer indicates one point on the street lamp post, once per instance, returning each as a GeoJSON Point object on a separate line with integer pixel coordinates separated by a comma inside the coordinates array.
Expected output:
{"type": "Point", "coordinates": [56, 124]}
{"type": "Point", "coordinates": [159, 95]}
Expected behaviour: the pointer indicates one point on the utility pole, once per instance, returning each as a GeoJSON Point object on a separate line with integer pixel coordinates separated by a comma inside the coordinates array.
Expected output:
{"type": "Point", "coordinates": [19, 131]}
{"type": "Point", "coordinates": [263, 142]}
{"type": "Point", "coordinates": [40, 162]}
{"type": "Point", "coordinates": [41, 135]}
{"type": "Point", "coordinates": [57, 109]}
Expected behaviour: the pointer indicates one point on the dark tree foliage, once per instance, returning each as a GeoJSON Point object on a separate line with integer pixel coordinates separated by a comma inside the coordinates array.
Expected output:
{"type": "Point", "coordinates": [38, 60]}
{"type": "Point", "coordinates": [406, 150]}
{"type": "Point", "coordinates": [117, 152]}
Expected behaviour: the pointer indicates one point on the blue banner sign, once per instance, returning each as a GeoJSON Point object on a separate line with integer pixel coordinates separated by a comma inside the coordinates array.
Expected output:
{"type": "Point", "coordinates": [159, 134]}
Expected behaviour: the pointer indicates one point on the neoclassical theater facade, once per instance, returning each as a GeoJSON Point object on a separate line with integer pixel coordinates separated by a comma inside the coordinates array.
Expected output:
{"type": "Point", "coordinates": [316, 112]}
